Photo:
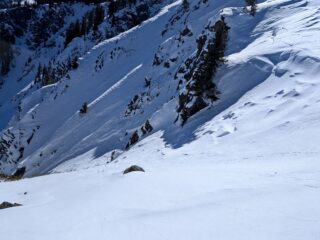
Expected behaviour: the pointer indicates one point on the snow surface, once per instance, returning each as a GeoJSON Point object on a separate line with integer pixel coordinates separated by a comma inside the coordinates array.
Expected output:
{"type": "Point", "coordinates": [246, 168]}
{"type": "Point", "coordinates": [203, 190]}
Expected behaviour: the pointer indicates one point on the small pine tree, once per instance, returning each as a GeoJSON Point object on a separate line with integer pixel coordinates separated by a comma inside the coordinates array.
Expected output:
{"type": "Point", "coordinates": [6, 57]}
{"type": "Point", "coordinates": [112, 8]}
{"type": "Point", "coordinates": [185, 4]}
{"type": "Point", "coordinates": [72, 32]}
{"type": "Point", "coordinates": [38, 75]}
{"type": "Point", "coordinates": [47, 77]}
{"type": "Point", "coordinates": [253, 6]}
{"type": "Point", "coordinates": [98, 17]}
{"type": "Point", "coordinates": [74, 63]}
{"type": "Point", "coordinates": [84, 108]}
{"type": "Point", "coordinates": [134, 138]}
{"type": "Point", "coordinates": [77, 29]}
{"type": "Point", "coordinates": [84, 26]}
{"type": "Point", "coordinates": [148, 127]}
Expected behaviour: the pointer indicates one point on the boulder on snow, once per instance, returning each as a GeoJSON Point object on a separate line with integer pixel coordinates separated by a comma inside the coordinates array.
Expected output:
{"type": "Point", "coordinates": [133, 168]}
{"type": "Point", "coordinates": [9, 205]}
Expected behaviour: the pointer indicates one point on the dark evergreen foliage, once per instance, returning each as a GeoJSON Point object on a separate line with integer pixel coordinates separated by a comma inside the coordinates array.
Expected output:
{"type": "Point", "coordinates": [134, 138]}
{"type": "Point", "coordinates": [112, 8]}
{"type": "Point", "coordinates": [84, 108]}
{"type": "Point", "coordinates": [90, 21]}
{"type": "Point", "coordinates": [6, 56]}
{"type": "Point", "coordinates": [185, 4]}
{"type": "Point", "coordinates": [98, 17]}
{"type": "Point", "coordinates": [253, 6]}
{"type": "Point", "coordinates": [148, 127]}
{"type": "Point", "coordinates": [72, 32]}
{"type": "Point", "coordinates": [200, 88]}
{"type": "Point", "coordinates": [133, 105]}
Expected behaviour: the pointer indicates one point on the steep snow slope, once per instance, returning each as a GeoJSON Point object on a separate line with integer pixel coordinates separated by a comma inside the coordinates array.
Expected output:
{"type": "Point", "coordinates": [246, 168]}
{"type": "Point", "coordinates": [21, 97]}
{"type": "Point", "coordinates": [51, 130]}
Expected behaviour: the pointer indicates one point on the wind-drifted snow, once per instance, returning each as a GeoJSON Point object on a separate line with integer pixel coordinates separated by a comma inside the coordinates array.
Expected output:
{"type": "Point", "coordinates": [247, 168]}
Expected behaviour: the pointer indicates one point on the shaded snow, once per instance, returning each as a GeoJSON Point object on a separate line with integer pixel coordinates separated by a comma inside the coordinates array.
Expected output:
{"type": "Point", "coordinates": [246, 168]}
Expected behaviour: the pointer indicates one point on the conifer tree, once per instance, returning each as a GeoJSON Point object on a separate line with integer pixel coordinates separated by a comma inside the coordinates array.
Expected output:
{"type": "Point", "coordinates": [98, 17]}
{"type": "Point", "coordinates": [112, 8]}
{"type": "Point", "coordinates": [6, 56]}
{"type": "Point", "coordinates": [185, 4]}
{"type": "Point", "coordinates": [84, 108]}
{"type": "Point", "coordinates": [253, 6]}
{"type": "Point", "coordinates": [200, 88]}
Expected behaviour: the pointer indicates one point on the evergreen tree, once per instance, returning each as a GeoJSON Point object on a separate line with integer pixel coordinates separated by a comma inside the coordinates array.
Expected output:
{"type": "Point", "coordinates": [112, 8]}
{"type": "Point", "coordinates": [72, 32]}
{"type": "Point", "coordinates": [84, 108]}
{"type": "Point", "coordinates": [98, 17]}
{"type": "Point", "coordinates": [77, 29]}
{"type": "Point", "coordinates": [38, 78]}
{"type": "Point", "coordinates": [84, 26]}
{"type": "Point", "coordinates": [201, 89]}
{"type": "Point", "coordinates": [90, 20]}
{"type": "Point", "coordinates": [185, 4]}
{"type": "Point", "coordinates": [6, 56]}
{"type": "Point", "coordinates": [253, 6]}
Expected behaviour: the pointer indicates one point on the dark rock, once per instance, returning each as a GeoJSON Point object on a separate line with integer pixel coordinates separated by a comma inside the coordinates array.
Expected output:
{"type": "Point", "coordinates": [166, 64]}
{"type": "Point", "coordinates": [20, 172]}
{"type": "Point", "coordinates": [9, 205]}
{"type": "Point", "coordinates": [133, 168]}
{"type": "Point", "coordinates": [186, 32]}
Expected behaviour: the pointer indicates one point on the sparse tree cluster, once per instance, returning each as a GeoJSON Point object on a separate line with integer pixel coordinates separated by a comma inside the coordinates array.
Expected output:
{"type": "Point", "coordinates": [200, 88]}
{"type": "Point", "coordinates": [52, 73]}
{"type": "Point", "coordinates": [90, 21]}
{"type": "Point", "coordinates": [45, 75]}
{"type": "Point", "coordinates": [72, 32]}
{"type": "Point", "coordinates": [98, 17]}
{"type": "Point", "coordinates": [145, 129]}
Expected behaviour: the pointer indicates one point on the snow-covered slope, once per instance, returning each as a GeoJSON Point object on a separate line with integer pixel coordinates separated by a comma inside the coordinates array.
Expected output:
{"type": "Point", "coordinates": [273, 45]}
{"type": "Point", "coordinates": [21, 98]}
{"type": "Point", "coordinates": [245, 167]}
{"type": "Point", "coordinates": [188, 193]}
